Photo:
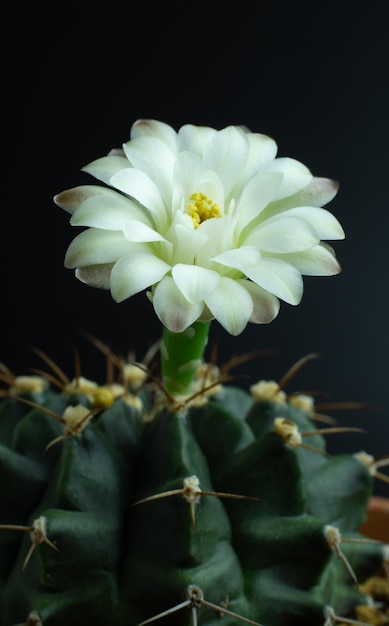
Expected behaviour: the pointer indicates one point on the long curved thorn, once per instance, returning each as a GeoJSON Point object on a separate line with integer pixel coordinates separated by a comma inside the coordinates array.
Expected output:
{"type": "Point", "coordinates": [178, 607]}
{"type": "Point", "coordinates": [49, 377]}
{"type": "Point", "coordinates": [238, 360]}
{"type": "Point", "coordinates": [231, 496]}
{"type": "Point", "coordinates": [44, 409]}
{"type": "Point", "coordinates": [361, 540]}
{"type": "Point", "coordinates": [53, 442]}
{"type": "Point", "coordinates": [203, 390]}
{"type": "Point", "coordinates": [61, 375]}
{"type": "Point", "coordinates": [381, 476]}
{"type": "Point", "coordinates": [151, 352]}
{"type": "Point", "coordinates": [329, 431]}
{"type": "Point", "coordinates": [313, 449]}
{"type": "Point", "coordinates": [158, 496]}
{"type": "Point", "coordinates": [77, 363]}
{"type": "Point", "coordinates": [13, 527]}
{"type": "Point", "coordinates": [6, 378]}
{"type": "Point", "coordinates": [29, 555]}
{"type": "Point", "coordinates": [381, 461]}
{"type": "Point", "coordinates": [326, 419]}
{"type": "Point", "coordinates": [311, 392]}
{"type": "Point", "coordinates": [99, 345]}
{"type": "Point", "coordinates": [112, 360]}
{"type": "Point", "coordinates": [155, 380]}
{"type": "Point", "coordinates": [178, 492]}
{"type": "Point", "coordinates": [223, 611]}
{"type": "Point", "coordinates": [345, 561]}
{"type": "Point", "coordinates": [292, 371]}
{"type": "Point", "coordinates": [333, 618]}
{"type": "Point", "coordinates": [346, 406]}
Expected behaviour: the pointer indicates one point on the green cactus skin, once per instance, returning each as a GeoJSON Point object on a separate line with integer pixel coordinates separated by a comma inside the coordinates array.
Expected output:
{"type": "Point", "coordinates": [115, 555]}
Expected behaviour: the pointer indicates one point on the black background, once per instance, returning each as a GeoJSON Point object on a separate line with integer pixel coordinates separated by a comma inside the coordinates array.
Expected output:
{"type": "Point", "coordinates": [311, 75]}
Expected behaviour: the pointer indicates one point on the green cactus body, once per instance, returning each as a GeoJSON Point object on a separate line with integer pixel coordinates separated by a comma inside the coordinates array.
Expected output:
{"type": "Point", "coordinates": [184, 515]}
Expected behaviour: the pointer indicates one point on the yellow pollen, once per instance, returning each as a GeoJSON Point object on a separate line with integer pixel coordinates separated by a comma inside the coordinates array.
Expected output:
{"type": "Point", "coordinates": [201, 208]}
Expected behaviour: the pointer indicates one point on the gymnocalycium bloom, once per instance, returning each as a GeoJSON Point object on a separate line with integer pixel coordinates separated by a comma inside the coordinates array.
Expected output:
{"type": "Point", "coordinates": [210, 222]}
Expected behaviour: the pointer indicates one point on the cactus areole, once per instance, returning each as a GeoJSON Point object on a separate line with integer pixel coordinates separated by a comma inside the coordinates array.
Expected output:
{"type": "Point", "coordinates": [169, 494]}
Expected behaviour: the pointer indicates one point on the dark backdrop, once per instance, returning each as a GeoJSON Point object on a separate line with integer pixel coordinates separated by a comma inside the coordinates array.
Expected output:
{"type": "Point", "coordinates": [311, 75]}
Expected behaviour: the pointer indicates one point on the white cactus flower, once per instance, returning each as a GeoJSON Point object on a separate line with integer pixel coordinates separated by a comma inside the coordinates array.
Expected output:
{"type": "Point", "coordinates": [210, 222]}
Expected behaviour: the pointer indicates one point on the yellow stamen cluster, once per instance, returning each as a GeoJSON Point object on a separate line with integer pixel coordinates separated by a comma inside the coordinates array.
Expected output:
{"type": "Point", "coordinates": [201, 208]}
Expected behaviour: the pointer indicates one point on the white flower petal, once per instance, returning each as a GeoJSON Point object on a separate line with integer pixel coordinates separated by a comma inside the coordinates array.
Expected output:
{"type": "Point", "coordinates": [108, 211]}
{"type": "Point", "coordinates": [231, 304]}
{"type": "Point", "coordinates": [279, 278]}
{"type": "Point", "coordinates": [239, 257]}
{"type": "Point", "coordinates": [105, 167]}
{"type": "Point", "coordinates": [139, 186]}
{"type": "Point", "coordinates": [95, 275]}
{"type": "Point", "coordinates": [134, 273]}
{"type": "Point", "coordinates": [286, 234]}
{"type": "Point", "coordinates": [317, 193]}
{"type": "Point", "coordinates": [118, 152]}
{"type": "Point", "coordinates": [153, 157]}
{"type": "Point", "coordinates": [190, 176]}
{"type": "Point", "coordinates": [137, 231]}
{"type": "Point", "coordinates": [187, 171]}
{"type": "Point", "coordinates": [273, 274]}
{"type": "Point", "coordinates": [194, 282]}
{"type": "Point", "coordinates": [154, 128]}
{"type": "Point", "coordinates": [71, 199]}
{"type": "Point", "coordinates": [226, 153]}
{"type": "Point", "coordinates": [95, 247]}
{"type": "Point", "coordinates": [296, 175]}
{"type": "Point", "coordinates": [194, 138]}
{"type": "Point", "coordinates": [219, 235]}
{"type": "Point", "coordinates": [320, 221]}
{"type": "Point", "coordinates": [318, 261]}
{"type": "Point", "coordinates": [186, 241]}
{"type": "Point", "coordinates": [262, 150]}
{"type": "Point", "coordinates": [172, 308]}
{"type": "Point", "coordinates": [266, 306]}
{"type": "Point", "coordinates": [256, 195]}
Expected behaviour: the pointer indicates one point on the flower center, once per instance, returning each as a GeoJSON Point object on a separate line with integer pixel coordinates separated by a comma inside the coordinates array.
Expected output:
{"type": "Point", "coordinates": [201, 208]}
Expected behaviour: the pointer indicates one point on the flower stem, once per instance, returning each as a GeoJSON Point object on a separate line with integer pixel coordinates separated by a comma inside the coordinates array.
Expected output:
{"type": "Point", "coordinates": [181, 355]}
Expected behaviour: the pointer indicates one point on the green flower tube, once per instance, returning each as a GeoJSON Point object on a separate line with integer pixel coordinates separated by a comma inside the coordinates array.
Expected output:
{"type": "Point", "coordinates": [181, 355]}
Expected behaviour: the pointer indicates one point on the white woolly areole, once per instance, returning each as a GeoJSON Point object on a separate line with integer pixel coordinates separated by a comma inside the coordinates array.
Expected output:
{"type": "Point", "coordinates": [287, 430]}
{"type": "Point", "coordinates": [267, 390]}
{"type": "Point", "coordinates": [28, 384]}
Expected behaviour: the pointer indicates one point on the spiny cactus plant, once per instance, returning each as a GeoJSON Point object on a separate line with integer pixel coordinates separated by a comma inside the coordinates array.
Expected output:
{"type": "Point", "coordinates": [169, 494]}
